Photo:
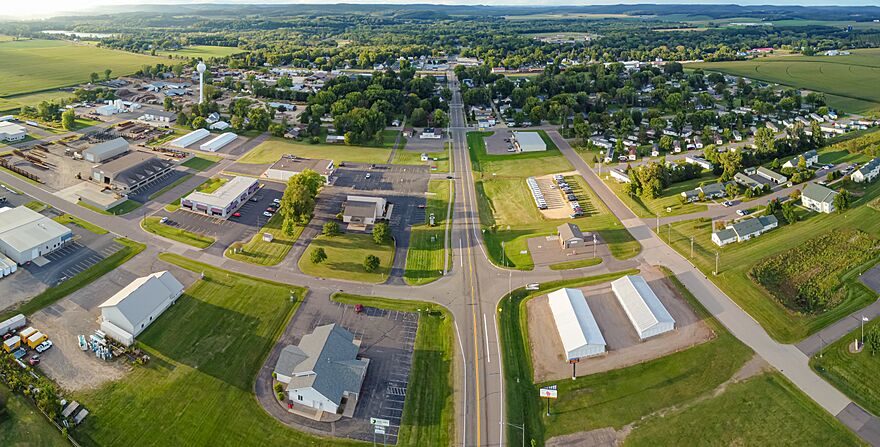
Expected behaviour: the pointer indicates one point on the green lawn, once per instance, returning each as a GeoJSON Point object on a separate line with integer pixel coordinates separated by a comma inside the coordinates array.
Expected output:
{"type": "Point", "coordinates": [36, 205]}
{"type": "Point", "coordinates": [38, 65]}
{"type": "Point", "coordinates": [345, 258]}
{"type": "Point", "coordinates": [23, 425]}
{"type": "Point", "coordinates": [271, 151]}
{"type": "Point", "coordinates": [152, 225]}
{"type": "Point", "coordinates": [169, 187]}
{"type": "Point", "coordinates": [763, 410]}
{"type": "Point", "coordinates": [118, 210]}
{"type": "Point", "coordinates": [201, 52]}
{"type": "Point", "coordinates": [424, 258]}
{"type": "Point", "coordinates": [643, 207]}
{"type": "Point", "coordinates": [16, 102]}
{"type": "Point", "coordinates": [82, 279]}
{"type": "Point", "coordinates": [69, 219]}
{"type": "Point", "coordinates": [205, 351]}
{"type": "Point", "coordinates": [568, 265]}
{"type": "Point", "coordinates": [410, 157]}
{"type": "Point", "coordinates": [257, 251]}
{"type": "Point", "coordinates": [853, 374]}
{"type": "Point", "coordinates": [736, 260]}
{"type": "Point", "coordinates": [429, 410]}
{"type": "Point", "coordinates": [519, 165]}
{"type": "Point", "coordinates": [201, 162]}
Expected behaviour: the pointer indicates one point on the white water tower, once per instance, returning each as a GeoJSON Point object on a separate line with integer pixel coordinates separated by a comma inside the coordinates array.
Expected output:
{"type": "Point", "coordinates": [201, 69]}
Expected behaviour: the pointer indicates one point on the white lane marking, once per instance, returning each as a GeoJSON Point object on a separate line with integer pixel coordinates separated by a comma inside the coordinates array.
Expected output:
{"type": "Point", "coordinates": [500, 383]}
{"type": "Point", "coordinates": [460, 252]}
{"type": "Point", "coordinates": [464, 373]}
{"type": "Point", "coordinates": [486, 332]}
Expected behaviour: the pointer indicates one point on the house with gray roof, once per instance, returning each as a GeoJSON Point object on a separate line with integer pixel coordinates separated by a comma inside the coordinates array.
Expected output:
{"type": "Point", "coordinates": [868, 172]}
{"type": "Point", "coordinates": [818, 198]}
{"type": "Point", "coordinates": [744, 230]}
{"type": "Point", "coordinates": [773, 176]}
{"type": "Point", "coordinates": [811, 157]}
{"type": "Point", "coordinates": [710, 191]}
{"type": "Point", "coordinates": [323, 372]}
{"type": "Point", "coordinates": [750, 181]}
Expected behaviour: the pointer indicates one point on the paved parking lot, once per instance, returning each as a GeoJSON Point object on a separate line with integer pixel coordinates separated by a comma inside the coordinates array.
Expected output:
{"type": "Point", "coordinates": [400, 179]}
{"type": "Point", "coordinates": [545, 250]}
{"type": "Point", "coordinates": [143, 194]}
{"type": "Point", "coordinates": [495, 144]}
{"type": "Point", "coordinates": [416, 144]}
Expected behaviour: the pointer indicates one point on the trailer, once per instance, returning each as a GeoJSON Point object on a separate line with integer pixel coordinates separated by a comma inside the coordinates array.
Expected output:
{"type": "Point", "coordinates": [16, 322]}
{"type": "Point", "coordinates": [11, 343]}
{"type": "Point", "coordinates": [27, 332]}
{"type": "Point", "coordinates": [36, 338]}
{"type": "Point", "coordinates": [7, 267]}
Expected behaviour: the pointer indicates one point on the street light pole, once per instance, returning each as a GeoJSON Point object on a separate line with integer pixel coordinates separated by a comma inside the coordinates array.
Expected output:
{"type": "Point", "coordinates": [522, 428]}
{"type": "Point", "coordinates": [692, 247]}
{"type": "Point", "coordinates": [716, 263]}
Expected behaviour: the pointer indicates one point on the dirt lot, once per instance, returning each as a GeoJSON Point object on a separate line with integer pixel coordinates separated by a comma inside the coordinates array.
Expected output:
{"type": "Point", "coordinates": [65, 169]}
{"type": "Point", "coordinates": [623, 345]}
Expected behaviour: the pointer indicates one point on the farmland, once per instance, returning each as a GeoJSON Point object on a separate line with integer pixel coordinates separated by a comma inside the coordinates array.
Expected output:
{"type": "Point", "coordinates": [848, 81]}
{"type": "Point", "coordinates": [39, 65]}
{"type": "Point", "coordinates": [202, 52]}
{"type": "Point", "coordinates": [424, 258]}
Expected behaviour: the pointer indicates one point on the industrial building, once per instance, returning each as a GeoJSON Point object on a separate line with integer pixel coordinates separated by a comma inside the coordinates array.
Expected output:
{"type": "Point", "coordinates": [575, 324]}
{"type": "Point", "coordinates": [26, 235]}
{"type": "Point", "coordinates": [323, 372]}
{"type": "Point", "coordinates": [362, 210]}
{"type": "Point", "coordinates": [102, 152]}
{"type": "Point", "coordinates": [10, 132]}
{"type": "Point", "coordinates": [131, 310]}
{"type": "Point", "coordinates": [189, 139]}
{"type": "Point", "coordinates": [570, 236]}
{"type": "Point", "coordinates": [158, 118]}
{"type": "Point", "coordinates": [291, 165]}
{"type": "Point", "coordinates": [224, 201]}
{"type": "Point", "coordinates": [645, 311]}
{"type": "Point", "coordinates": [529, 142]}
{"type": "Point", "coordinates": [131, 172]}
{"type": "Point", "coordinates": [218, 143]}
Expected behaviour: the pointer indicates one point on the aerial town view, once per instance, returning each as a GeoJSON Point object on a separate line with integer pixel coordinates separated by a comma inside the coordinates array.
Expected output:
{"type": "Point", "coordinates": [280, 223]}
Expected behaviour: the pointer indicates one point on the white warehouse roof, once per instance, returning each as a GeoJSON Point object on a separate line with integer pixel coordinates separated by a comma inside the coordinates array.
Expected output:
{"type": "Point", "coordinates": [22, 229]}
{"type": "Point", "coordinates": [138, 304]}
{"type": "Point", "coordinates": [224, 195]}
{"type": "Point", "coordinates": [530, 141]}
{"type": "Point", "coordinates": [575, 323]}
{"type": "Point", "coordinates": [645, 311]}
{"type": "Point", "coordinates": [217, 143]}
{"type": "Point", "coordinates": [190, 138]}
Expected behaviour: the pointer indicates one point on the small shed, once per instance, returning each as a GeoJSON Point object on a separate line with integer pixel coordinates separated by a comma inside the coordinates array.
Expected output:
{"type": "Point", "coordinates": [570, 236]}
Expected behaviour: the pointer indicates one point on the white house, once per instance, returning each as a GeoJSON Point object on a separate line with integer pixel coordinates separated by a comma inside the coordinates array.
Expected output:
{"type": "Point", "coordinates": [868, 172]}
{"type": "Point", "coordinates": [131, 310]}
{"type": "Point", "coordinates": [818, 198]}
{"type": "Point", "coordinates": [744, 230]}
{"type": "Point", "coordinates": [699, 161]}
{"type": "Point", "coordinates": [810, 157]}
{"type": "Point", "coordinates": [575, 324]}
{"type": "Point", "coordinates": [645, 311]}
{"type": "Point", "coordinates": [363, 210]}
{"type": "Point", "coordinates": [619, 175]}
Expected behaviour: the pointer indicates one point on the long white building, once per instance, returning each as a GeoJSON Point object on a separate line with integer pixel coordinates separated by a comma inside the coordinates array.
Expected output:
{"type": "Point", "coordinates": [575, 324]}
{"type": "Point", "coordinates": [645, 311]}
{"type": "Point", "coordinates": [26, 235]}
{"type": "Point", "coordinates": [224, 201]}
{"type": "Point", "coordinates": [218, 143]}
{"type": "Point", "coordinates": [131, 310]}
{"type": "Point", "coordinates": [190, 138]}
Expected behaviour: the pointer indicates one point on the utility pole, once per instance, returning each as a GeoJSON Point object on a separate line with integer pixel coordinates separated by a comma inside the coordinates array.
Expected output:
{"type": "Point", "coordinates": [692, 247]}
{"type": "Point", "coordinates": [523, 429]}
{"type": "Point", "coordinates": [716, 263]}
{"type": "Point", "coordinates": [594, 245]}
{"type": "Point", "coordinates": [658, 223]}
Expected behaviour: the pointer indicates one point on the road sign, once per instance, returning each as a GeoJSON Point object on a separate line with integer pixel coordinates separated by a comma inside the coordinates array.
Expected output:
{"type": "Point", "coordinates": [380, 422]}
{"type": "Point", "coordinates": [549, 393]}
{"type": "Point", "coordinates": [379, 430]}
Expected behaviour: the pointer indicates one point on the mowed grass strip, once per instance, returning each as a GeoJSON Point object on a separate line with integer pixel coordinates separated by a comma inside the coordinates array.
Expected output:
{"type": "Point", "coordinates": [568, 265]}
{"type": "Point", "coordinates": [118, 210]}
{"type": "Point", "coordinates": [205, 351]}
{"type": "Point", "coordinates": [257, 251]}
{"type": "Point", "coordinates": [763, 410]}
{"type": "Point", "coordinates": [153, 225]}
{"type": "Point", "coordinates": [855, 374]}
{"type": "Point", "coordinates": [70, 219]}
{"type": "Point", "coordinates": [429, 410]}
{"type": "Point", "coordinates": [201, 162]}
{"type": "Point", "coordinates": [425, 255]}
{"type": "Point", "coordinates": [345, 258]}
{"type": "Point", "coordinates": [272, 149]}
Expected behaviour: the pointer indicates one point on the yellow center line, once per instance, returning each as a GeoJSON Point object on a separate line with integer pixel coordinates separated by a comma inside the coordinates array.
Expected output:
{"type": "Point", "coordinates": [473, 311]}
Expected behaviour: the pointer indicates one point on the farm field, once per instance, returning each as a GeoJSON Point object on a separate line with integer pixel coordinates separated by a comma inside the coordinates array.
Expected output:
{"type": "Point", "coordinates": [153, 225]}
{"type": "Point", "coordinates": [852, 373]}
{"type": "Point", "coordinates": [202, 52]}
{"type": "Point", "coordinates": [428, 414]}
{"type": "Point", "coordinates": [13, 103]}
{"type": "Point", "coordinates": [272, 150]}
{"type": "Point", "coordinates": [23, 425]}
{"type": "Point", "coordinates": [848, 80]}
{"type": "Point", "coordinates": [508, 213]}
{"type": "Point", "coordinates": [736, 260]}
{"type": "Point", "coordinates": [208, 349]}
{"type": "Point", "coordinates": [258, 251]}
{"type": "Point", "coordinates": [345, 258]}
{"type": "Point", "coordinates": [38, 65]}
{"type": "Point", "coordinates": [643, 207]}
{"type": "Point", "coordinates": [424, 258]}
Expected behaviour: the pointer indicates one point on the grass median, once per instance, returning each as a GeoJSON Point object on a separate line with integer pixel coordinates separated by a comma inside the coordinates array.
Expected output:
{"type": "Point", "coordinates": [425, 255]}
{"type": "Point", "coordinates": [69, 219]}
{"type": "Point", "coordinates": [154, 225]}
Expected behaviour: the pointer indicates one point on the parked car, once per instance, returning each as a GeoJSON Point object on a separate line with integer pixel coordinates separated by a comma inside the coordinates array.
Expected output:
{"type": "Point", "coordinates": [422, 206]}
{"type": "Point", "coordinates": [236, 214]}
{"type": "Point", "coordinates": [34, 360]}
{"type": "Point", "coordinates": [533, 286]}
{"type": "Point", "coordinates": [277, 201]}
{"type": "Point", "coordinates": [271, 209]}
{"type": "Point", "coordinates": [163, 220]}
{"type": "Point", "coordinates": [727, 203]}
{"type": "Point", "coordinates": [367, 176]}
{"type": "Point", "coordinates": [358, 308]}
{"type": "Point", "coordinates": [267, 214]}
{"type": "Point", "coordinates": [743, 212]}
{"type": "Point", "coordinates": [44, 346]}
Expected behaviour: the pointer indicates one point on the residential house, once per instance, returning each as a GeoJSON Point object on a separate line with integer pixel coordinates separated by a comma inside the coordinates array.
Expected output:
{"type": "Point", "coordinates": [868, 172]}
{"type": "Point", "coordinates": [744, 230]}
{"type": "Point", "coordinates": [818, 198]}
{"type": "Point", "coordinates": [773, 176]}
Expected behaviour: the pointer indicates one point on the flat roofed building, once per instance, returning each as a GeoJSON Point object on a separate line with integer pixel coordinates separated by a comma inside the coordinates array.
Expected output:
{"type": "Point", "coordinates": [131, 310]}
{"type": "Point", "coordinates": [26, 235]}
{"type": "Point", "coordinates": [323, 371]}
{"type": "Point", "coordinates": [570, 236]}
{"type": "Point", "coordinates": [647, 314]}
{"type": "Point", "coordinates": [529, 142]}
{"type": "Point", "coordinates": [190, 138]}
{"type": "Point", "coordinates": [131, 172]}
{"type": "Point", "coordinates": [224, 201]}
{"type": "Point", "coordinates": [290, 165]}
{"type": "Point", "coordinates": [102, 152]}
{"type": "Point", "coordinates": [12, 132]}
{"type": "Point", "coordinates": [158, 118]}
{"type": "Point", "coordinates": [575, 324]}
{"type": "Point", "coordinates": [363, 210]}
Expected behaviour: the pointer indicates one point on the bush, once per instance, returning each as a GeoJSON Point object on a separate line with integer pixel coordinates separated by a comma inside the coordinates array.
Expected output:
{"type": "Point", "coordinates": [279, 388]}
{"type": "Point", "coordinates": [318, 255]}
{"type": "Point", "coordinates": [280, 396]}
{"type": "Point", "coordinates": [371, 263]}
{"type": "Point", "coordinates": [381, 233]}
{"type": "Point", "coordinates": [330, 228]}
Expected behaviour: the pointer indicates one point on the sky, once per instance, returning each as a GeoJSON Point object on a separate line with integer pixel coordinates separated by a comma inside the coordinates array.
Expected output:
{"type": "Point", "coordinates": [43, 8]}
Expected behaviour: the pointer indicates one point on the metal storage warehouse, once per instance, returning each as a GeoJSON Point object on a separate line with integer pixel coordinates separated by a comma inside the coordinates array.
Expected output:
{"type": "Point", "coordinates": [189, 139]}
{"type": "Point", "coordinates": [224, 201]}
{"type": "Point", "coordinates": [26, 235]}
{"type": "Point", "coordinates": [290, 165]}
{"type": "Point", "coordinates": [131, 310]}
{"type": "Point", "coordinates": [106, 150]}
{"type": "Point", "coordinates": [575, 323]}
{"type": "Point", "coordinates": [529, 142]}
{"type": "Point", "coordinates": [217, 143]}
{"type": "Point", "coordinates": [132, 171]}
{"type": "Point", "coordinates": [10, 132]}
{"type": "Point", "coordinates": [645, 311]}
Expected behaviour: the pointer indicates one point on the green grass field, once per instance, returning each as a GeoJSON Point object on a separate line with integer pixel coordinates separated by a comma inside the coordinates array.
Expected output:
{"type": "Point", "coordinates": [848, 81]}
{"type": "Point", "coordinates": [118, 210]}
{"type": "Point", "coordinates": [201, 162]}
{"type": "Point", "coordinates": [202, 52]}
{"type": "Point", "coordinates": [424, 258]}
{"type": "Point", "coordinates": [16, 102]}
{"type": "Point", "coordinates": [345, 258]}
{"type": "Point", "coordinates": [258, 251]}
{"type": "Point", "coordinates": [205, 351]}
{"type": "Point", "coordinates": [404, 157]}
{"type": "Point", "coordinates": [853, 374]}
{"type": "Point", "coordinates": [271, 151]}
{"type": "Point", "coordinates": [24, 425]}
{"type": "Point", "coordinates": [69, 219]}
{"type": "Point", "coordinates": [643, 207]}
{"type": "Point", "coordinates": [429, 410]}
{"type": "Point", "coordinates": [737, 259]}
{"type": "Point", "coordinates": [568, 265]}
{"type": "Point", "coordinates": [38, 65]}
{"type": "Point", "coordinates": [153, 225]}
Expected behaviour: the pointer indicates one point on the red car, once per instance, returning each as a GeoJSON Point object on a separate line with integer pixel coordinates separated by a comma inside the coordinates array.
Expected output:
{"type": "Point", "coordinates": [236, 214]}
{"type": "Point", "coordinates": [358, 308]}
{"type": "Point", "coordinates": [34, 360]}
{"type": "Point", "coordinates": [270, 210]}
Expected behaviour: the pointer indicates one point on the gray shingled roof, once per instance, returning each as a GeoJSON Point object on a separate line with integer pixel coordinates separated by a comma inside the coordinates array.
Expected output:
{"type": "Point", "coordinates": [569, 231]}
{"type": "Point", "coordinates": [818, 193]}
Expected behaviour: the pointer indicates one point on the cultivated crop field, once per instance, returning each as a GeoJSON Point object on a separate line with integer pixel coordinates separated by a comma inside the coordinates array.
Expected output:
{"type": "Point", "coordinates": [202, 52]}
{"type": "Point", "coordinates": [849, 81]}
{"type": "Point", "coordinates": [807, 278]}
{"type": "Point", "coordinates": [38, 65]}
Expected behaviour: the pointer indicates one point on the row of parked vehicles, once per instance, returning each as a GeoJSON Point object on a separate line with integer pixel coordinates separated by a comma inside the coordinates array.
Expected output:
{"type": "Point", "coordinates": [565, 189]}
{"type": "Point", "coordinates": [16, 342]}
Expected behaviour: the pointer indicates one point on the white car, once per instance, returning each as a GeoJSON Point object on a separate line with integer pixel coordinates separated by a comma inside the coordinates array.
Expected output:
{"type": "Point", "coordinates": [367, 176]}
{"type": "Point", "coordinates": [44, 346]}
{"type": "Point", "coordinates": [267, 214]}
{"type": "Point", "coordinates": [276, 200]}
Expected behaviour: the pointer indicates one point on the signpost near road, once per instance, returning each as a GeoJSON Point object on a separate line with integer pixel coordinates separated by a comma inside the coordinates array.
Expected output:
{"type": "Point", "coordinates": [549, 392]}
{"type": "Point", "coordinates": [379, 428]}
